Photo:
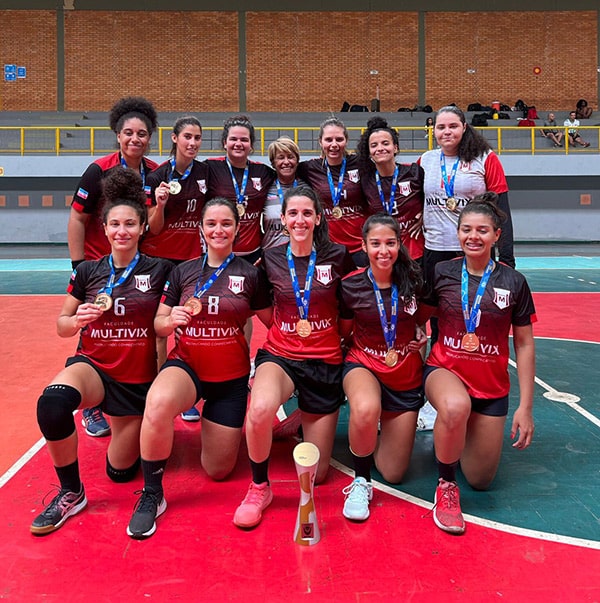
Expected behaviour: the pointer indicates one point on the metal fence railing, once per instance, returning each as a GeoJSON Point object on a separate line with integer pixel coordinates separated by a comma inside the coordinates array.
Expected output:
{"type": "Point", "coordinates": [74, 140]}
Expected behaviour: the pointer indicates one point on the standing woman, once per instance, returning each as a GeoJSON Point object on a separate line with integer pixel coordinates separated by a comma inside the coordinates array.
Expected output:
{"type": "Point", "coordinates": [462, 167]}
{"type": "Point", "coordinates": [383, 370]}
{"type": "Point", "coordinates": [466, 377]}
{"type": "Point", "coordinates": [133, 119]}
{"type": "Point", "coordinates": [113, 367]}
{"type": "Point", "coordinates": [336, 178]}
{"type": "Point", "coordinates": [302, 351]}
{"type": "Point", "coordinates": [177, 191]}
{"type": "Point", "coordinates": [284, 156]}
{"type": "Point", "coordinates": [393, 188]}
{"type": "Point", "coordinates": [209, 299]}
{"type": "Point", "coordinates": [246, 183]}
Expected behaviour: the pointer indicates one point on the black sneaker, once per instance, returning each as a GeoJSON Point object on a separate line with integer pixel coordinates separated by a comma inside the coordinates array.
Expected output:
{"type": "Point", "coordinates": [63, 505]}
{"type": "Point", "coordinates": [146, 510]}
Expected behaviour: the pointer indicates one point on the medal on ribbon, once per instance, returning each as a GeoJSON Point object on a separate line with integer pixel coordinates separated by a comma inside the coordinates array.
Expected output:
{"type": "Point", "coordinates": [303, 328]}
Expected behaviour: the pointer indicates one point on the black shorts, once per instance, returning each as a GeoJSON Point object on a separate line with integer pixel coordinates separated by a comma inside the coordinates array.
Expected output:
{"type": "Point", "coordinates": [120, 399]}
{"type": "Point", "coordinates": [492, 407]}
{"type": "Point", "coordinates": [319, 384]}
{"type": "Point", "coordinates": [225, 402]}
{"type": "Point", "coordinates": [392, 400]}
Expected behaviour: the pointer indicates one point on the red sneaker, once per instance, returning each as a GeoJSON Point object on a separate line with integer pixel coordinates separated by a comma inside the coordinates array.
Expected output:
{"type": "Point", "coordinates": [249, 513]}
{"type": "Point", "coordinates": [446, 510]}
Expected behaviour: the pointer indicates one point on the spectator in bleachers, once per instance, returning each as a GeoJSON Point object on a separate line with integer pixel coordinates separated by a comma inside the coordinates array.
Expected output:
{"type": "Point", "coordinates": [572, 125]}
{"type": "Point", "coordinates": [583, 110]}
{"type": "Point", "coordinates": [551, 131]}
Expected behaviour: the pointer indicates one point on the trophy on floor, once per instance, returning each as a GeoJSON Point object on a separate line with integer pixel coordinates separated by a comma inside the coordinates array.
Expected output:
{"type": "Point", "coordinates": [306, 458]}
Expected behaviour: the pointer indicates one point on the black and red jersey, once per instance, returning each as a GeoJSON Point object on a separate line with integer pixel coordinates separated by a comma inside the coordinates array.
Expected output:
{"type": "Point", "coordinates": [213, 343]}
{"type": "Point", "coordinates": [180, 237]}
{"type": "Point", "coordinates": [122, 342]}
{"type": "Point", "coordinates": [368, 345]}
{"type": "Point", "coordinates": [323, 343]}
{"type": "Point", "coordinates": [408, 201]}
{"type": "Point", "coordinates": [220, 184]}
{"type": "Point", "coordinates": [88, 197]}
{"type": "Point", "coordinates": [507, 301]}
{"type": "Point", "coordinates": [346, 230]}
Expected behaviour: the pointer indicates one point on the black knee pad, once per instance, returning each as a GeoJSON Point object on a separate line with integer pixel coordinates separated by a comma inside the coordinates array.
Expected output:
{"type": "Point", "coordinates": [55, 409]}
{"type": "Point", "coordinates": [122, 475]}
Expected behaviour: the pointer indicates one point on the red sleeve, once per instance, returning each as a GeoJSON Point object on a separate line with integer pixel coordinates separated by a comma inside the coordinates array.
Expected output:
{"type": "Point", "coordinates": [495, 180]}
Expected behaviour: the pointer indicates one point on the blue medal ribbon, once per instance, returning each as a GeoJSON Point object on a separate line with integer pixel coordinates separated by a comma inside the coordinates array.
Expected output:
{"type": "Point", "coordinates": [448, 183]}
{"type": "Point", "coordinates": [470, 316]}
{"type": "Point", "coordinates": [240, 193]}
{"type": "Point", "coordinates": [280, 189]}
{"type": "Point", "coordinates": [302, 301]}
{"type": "Point", "coordinates": [201, 290]}
{"type": "Point", "coordinates": [184, 175]}
{"type": "Point", "coordinates": [142, 169]}
{"type": "Point", "coordinates": [388, 205]}
{"type": "Point", "coordinates": [110, 285]}
{"type": "Point", "coordinates": [336, 189]}
{"type": "Point", "coordinates": [389, 328]}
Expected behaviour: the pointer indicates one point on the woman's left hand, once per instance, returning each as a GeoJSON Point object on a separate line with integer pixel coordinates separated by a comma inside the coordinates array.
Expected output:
{"type": "Point", "coordinates": [523, 425]}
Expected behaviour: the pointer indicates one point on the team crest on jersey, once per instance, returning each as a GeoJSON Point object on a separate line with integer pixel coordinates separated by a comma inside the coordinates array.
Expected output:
{"type": "Point", "coordinates": [202, 186]}
{"type": "Point", "coordinates": [142, 282]}
{"type": "Point", "coordinates": [465, 166]}
{"type": "Point", "coordinates": [404, 188]}
{"type": "Point", "coordinates": [501, 298]}
{"type": "Point", "coordinates": [236, 284]}
{"type": "Point", "coordinates": [257, 183]}
{"type": "Point", "coordinates": [410, 306]}
{"type": "Point", "coordinates": [323, 274]}
{"type": "Point", "coordinates": [353, 176]}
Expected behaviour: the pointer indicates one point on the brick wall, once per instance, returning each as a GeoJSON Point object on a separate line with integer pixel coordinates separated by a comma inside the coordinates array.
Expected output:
{"type": "Point", "coordinates": [22, 35]}
{"type": "Point", "coordinates": [300, 61]}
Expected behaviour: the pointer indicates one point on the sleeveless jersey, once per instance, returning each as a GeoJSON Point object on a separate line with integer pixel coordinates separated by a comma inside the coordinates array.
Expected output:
{"type": "Point", "coordinates": [507, 301]}
{"type": "Point", "coordinates": [324, 341]}
{"type": "Point", "coordinates": [88, 197]}
{"type": "Point", "coordinates": [473, 178]}
{"type": "Point", "coordinates": [260, 178]}
{"type": "Point", "coordinates": [180, 237]}
{"type": "Point", "coordinates": [368, 345]}
{"type": "Point", "coordinates": [346, 230]}
{"type": "Point", "coordinates": [408, 201]}
{"type": "Point", "coordinates": [213, 343]}
{"type": "Point", "coordinates": [122, 342]}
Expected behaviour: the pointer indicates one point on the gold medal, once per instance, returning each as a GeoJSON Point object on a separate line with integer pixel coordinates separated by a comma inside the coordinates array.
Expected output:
{"type": "Point", "coordinates": [337, 212]}
{"type": "Point", "coordinates": [103, 301]}
{"type": "Point", "coordinates": [451, 203]}
{"type": "Point", "coordinates": [303, 328]}
{"type": "Point", "coordinates": [241, 209]}
{"type": "Point", "coordinates": [470, 342]}
{"type": "Point", "coordinates": [193, 305]}
{"type": "Point", "coordinates": [174, 187]}
{"type": "Point", "coordinates": [391, 358]}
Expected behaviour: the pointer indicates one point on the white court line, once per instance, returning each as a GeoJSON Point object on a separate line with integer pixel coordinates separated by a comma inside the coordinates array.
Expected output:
{"type": "Point", "coordinates": [20, 463]}
{"type": "Point", "coordinates": [486, 523]}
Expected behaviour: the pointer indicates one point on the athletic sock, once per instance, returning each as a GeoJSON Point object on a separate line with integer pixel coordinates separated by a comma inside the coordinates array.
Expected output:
{"type": "Point", "coordinates": [362, 465]}
{"type": "Point", "coordinates": [260, 471]}
{"type": "Point", "coordinates": [153, 472]}
{"type": "Point", "coordinates": [447, 471]}
{"type": "Point", "coordinates": [69, 477]}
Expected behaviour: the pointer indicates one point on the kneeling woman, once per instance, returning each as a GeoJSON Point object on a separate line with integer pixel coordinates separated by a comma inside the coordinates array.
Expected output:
{"type": "Point", "coordinates": [113, 366]}
{"type": "Point", "coordinates": [210, 299]}
{"type": "Point", "coordinates": [383, 370]}
{"type": "Point", "coordinates": [302, 351]}
{"type": "Point", "coordinates": [466, 377]}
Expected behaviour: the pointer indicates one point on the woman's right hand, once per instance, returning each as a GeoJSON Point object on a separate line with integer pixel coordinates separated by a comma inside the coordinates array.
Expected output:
{"type": "Point", "coordinates": [161, 194]}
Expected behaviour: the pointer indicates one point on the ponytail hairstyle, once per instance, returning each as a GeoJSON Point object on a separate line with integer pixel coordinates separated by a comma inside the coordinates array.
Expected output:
{"type": "Point", "coordinates": [486, 204]}
{"type": "Point", "coordinates": [406, 273]}
{"type": "Point", "coordinates": [375, 124]}
{"type": "Point", "coordinates": [133, 106]}
{"type": "Point", "coordinates": [333, 121]}
{"type": "Point", "coordinates": [243, 121]}
{"type": "Point", "coordinates": [216, 201]}
{"type": "Point", "coordinates": [123, 186]}
{"type": "Point", "coordinates": [180, 124]}
{"type": "Point", "coordinates": [321, 233]}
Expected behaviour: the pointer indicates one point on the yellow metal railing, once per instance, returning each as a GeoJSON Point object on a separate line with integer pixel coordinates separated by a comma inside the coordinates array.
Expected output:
{"type": "Point", "coordinates": [74, 140]}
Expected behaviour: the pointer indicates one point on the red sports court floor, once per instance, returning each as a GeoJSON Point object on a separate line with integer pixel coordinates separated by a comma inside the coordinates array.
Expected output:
{"type": "Point", "coordinates": [535, 536]}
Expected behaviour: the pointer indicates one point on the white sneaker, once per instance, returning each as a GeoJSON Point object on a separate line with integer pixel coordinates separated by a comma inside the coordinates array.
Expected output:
{"type": "Point", "coordinates": [358, 494]}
